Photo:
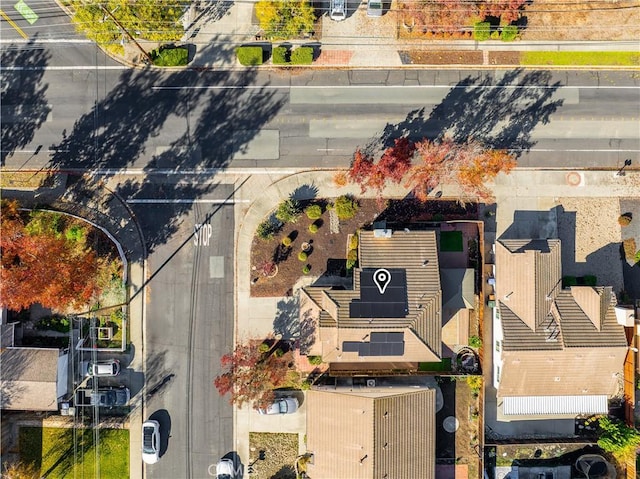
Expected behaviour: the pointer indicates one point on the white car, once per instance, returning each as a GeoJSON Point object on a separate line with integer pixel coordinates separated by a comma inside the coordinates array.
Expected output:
{"type": "Point", "coordinates": [225, 469]}
{"type": "Point", "coordinates": [151, 441]}
{"type": "Point", "coordinates": [286, 405]}
{"type": "Point", "coordinates": [110, 367]}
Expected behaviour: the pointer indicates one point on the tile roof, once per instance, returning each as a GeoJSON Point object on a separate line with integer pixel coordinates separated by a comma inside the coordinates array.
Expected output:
{"type": "Point", "coordinates": [416, 253]}
{"type": "Point", "coordinates": [554, 339]}
{"type": "Point", "coordinates": [370, 433]}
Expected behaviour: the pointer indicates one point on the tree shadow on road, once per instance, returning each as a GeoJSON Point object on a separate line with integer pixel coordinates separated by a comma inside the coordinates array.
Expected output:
{"type": "Point", "coordinates": [212, 117]}
{"type": "Point", "coordinates": [23, 96]}
{"type": "Point", "coordinates": [499, 112]}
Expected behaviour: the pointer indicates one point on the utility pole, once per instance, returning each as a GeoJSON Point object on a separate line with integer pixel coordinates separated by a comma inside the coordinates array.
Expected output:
{"type": "Point", "coordinates": [126, 32]}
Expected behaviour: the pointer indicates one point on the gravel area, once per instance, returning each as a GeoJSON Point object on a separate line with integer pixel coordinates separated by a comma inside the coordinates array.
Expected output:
{"type": "Point", "coordinates": [591, 236]}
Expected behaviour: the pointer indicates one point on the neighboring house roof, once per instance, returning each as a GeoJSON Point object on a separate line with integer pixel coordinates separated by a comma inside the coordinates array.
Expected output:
{"type": "Point", "coordinates": [457, 288]}
{"type": "Point", "coordinates": [556, 342]}
{"type": "Point", "coordinates": [29, 379]}
{"type": "Point", "coordinates": [355, 435]}
{"type": "Point", "coordinates": [546, 405]}
{"type": "Point", "coordinates": [411, 257]}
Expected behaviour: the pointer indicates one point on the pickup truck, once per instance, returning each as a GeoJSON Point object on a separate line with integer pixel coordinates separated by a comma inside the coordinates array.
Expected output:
{"type": "Point", "coordinates": [104, 397]}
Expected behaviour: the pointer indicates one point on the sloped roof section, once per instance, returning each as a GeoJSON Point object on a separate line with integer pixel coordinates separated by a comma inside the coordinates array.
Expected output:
{"type": "Point", "coordinates": [415, 254]}
{"type": "Point", "coordinates": [360, 434]}
{"type": "Point", "coordinates": [528, 277]}
{"type": "Point", "coordinates": [457, 288]}
{"type": "Point", "coordinates": [594, 302]}
{"type": "Point", "coordinates": [29, 379]}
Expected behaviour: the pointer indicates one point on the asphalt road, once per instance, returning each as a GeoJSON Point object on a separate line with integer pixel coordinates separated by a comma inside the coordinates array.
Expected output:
{"type": "Point", "coordinates": [189, 325]}
{"type": "Point", "coordinates": [104, 117]}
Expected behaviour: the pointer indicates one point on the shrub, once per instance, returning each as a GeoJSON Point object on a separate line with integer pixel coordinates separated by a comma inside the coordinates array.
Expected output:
{"type": "Point", "coordinates": [286, 241]}
{"type": "Point", "coordinates": [302, 256]}
{"type": "Point", "coordinates": [346, 207]}
{"type": "Point", "coordinates": [288, 211]}
{"type": "Point", "coordinates": [306, 269]}
{"type": "Point", "coordinates": [263, 348]}
{"type": "Point", "coordinates": [352, 255]}
{"type": "Point", "coordinates": [54, 323]}
{"type": "Point", "coordinates": [625, 219]}
{"type": "Point", "coordinates": [305, 385]}
{"type": "Point", "coordinates": [170, 57]}
{"type": "Point", "coordinates": [481, 31]}
{"type": "Point", "coordinates": [353, 242]}
{"type": "Point", "coordinates": [495, 35]}
{"type": "Point", "coordinates": [509, 33]}
{"type": "Point", "coordinates": [266, 230]}
{"type": "Point", "coordinates": [618, 438]}
{"type": "Point", "coordinates": [313, 212]}
{"type": "Point", "coordinates": [475, 341]}
{"type": "Point", "coordinates": [249, 56]}
{"type": "Point", "coordinates": [302, 56]}
{"type": "Point", "coordinates": [313, 228]}
{"type": "Point", "coordinates": [315, 360]}
{"type": "Point", "coordinates": [350, 264]}
{"type": "Point", "coordinates": [589, 280]}
{"type": "Point", "coordinates": [568, 281]}
{"type": "Point", "coordinates": [475, 383]}
{"type": "Point", "coordinates": [280, 56]}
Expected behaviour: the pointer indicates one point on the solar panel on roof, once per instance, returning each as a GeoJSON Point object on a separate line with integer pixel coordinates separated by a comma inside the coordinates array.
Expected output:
{"type": "Point", "coordinates": [386, 298]}
{"type": "Point", "coordinates": [350, 346]}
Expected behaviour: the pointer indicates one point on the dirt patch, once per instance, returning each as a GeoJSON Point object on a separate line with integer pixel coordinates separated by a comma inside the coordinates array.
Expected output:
{"type": "Point", "coordinates": [273, 455]}
{"type": "Point", "coordinates": [468, 434]}
{"type": "Point", "coordinates": [424, 57]}
{"type": "Point", "coordinates": [504, 58]}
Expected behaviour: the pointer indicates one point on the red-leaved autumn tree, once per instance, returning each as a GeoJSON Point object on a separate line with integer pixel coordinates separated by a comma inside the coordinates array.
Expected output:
{"type": "Point", "coordinates": [251, 374]}
{"type": "Point", "coordinates": [468, 165]}
{"type": "Point", "coordinates": [40, 265]}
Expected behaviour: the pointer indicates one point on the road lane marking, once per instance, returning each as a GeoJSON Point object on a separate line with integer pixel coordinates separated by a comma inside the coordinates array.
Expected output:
{"type": "Point", "coordinates": [45, 40]}
{"type": "Point", "coordinates": [405, 87]}
{"type": "Point", "coordinates": [161, 201]}
{"type": "Point", "coordinates": [40, 68]}
{"type": "Point", "coordinates": [24, 10]}
{"type": "Point", "coordinates": [15, 26]}
{"type": "Point", "coordinates": [216, 267]}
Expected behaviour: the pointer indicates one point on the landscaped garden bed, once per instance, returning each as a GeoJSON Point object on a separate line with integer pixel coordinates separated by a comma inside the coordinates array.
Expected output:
{"type": "Point", "coordinates": [278, 453]}
{"type": "Point", "coordinates": [279, 261]}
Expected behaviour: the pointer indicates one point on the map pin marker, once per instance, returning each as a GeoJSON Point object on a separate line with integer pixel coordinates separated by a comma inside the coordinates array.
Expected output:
{"type": "Point", "coordinates": [382, 278]}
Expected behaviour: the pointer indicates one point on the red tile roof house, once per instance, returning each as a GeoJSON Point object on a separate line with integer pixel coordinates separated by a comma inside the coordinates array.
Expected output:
{"type": "Point", "coordinates": [390, 321]}
{"type": "Point", "coordinates": [557, 352]}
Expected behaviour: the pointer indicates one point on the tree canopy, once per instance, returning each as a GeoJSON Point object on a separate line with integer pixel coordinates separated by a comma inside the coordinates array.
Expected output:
{"type": "Point", "coordinates": [618, 438]}
{"type": "Point", "coordinates": [45, 259]}
{"type": "Point", "coordinates": [283, 19]}
{"type": "Point", "coordinates": [145, 19]}
{"type": "Point", "coordinates": [250, 374]}
{"type": "Point", "coordinates": [468, 165]}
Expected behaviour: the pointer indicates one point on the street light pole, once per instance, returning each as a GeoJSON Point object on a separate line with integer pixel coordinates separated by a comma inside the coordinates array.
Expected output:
{"type": "Point", "coordinates": [620, 172]}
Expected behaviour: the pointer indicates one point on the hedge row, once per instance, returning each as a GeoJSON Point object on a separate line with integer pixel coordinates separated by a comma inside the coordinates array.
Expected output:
{"type": "Point", "coordinates": [170, 57]}
{"type": "Point", "coordinates": [482, 31]}
{"type": "Point", "coordinates": [252, 56]}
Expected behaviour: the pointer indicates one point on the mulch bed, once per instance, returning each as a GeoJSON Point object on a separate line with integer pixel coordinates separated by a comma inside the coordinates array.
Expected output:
{"type": "Point", "coordinates": [445, 57]}
{"type": "Point", "coordinates": [504, 58]}
{"type": "Point", "coordinates": [329, 250]}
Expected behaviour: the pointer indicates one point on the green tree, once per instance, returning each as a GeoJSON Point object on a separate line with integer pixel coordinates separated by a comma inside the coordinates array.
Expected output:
{"type": "Point", "coordinates": [618, 439]}
{"type": "Point", "coordinates": [145, 19]}
{"type": "Point", "coordinates": [282, 19]}
{"type": "Point", "coordinates": [289, 211]}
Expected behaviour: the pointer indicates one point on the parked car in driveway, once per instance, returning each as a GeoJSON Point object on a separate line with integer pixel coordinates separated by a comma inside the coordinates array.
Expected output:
{"type": "Point", "coordinates": [287, 405]}
{"type": "Point", "coordinates": [374, 8]}
{"type": "Point", "coordinates": [150, 441]}
{"type": "Point", "coordinates": [109, 367]}
{"type": "Point", "coordinates": [104, 397]}
{"type": "Point", "coordinates": [338, 10]}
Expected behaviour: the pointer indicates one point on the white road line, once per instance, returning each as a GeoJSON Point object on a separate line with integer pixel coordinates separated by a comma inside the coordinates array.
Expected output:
{"type": "Point", "coordinates": [44, 40]}
{"type": "Point", "coordinates": [372, 87]}
{"type": "Point", "coordinates": [204, 171]}
{"type": "Point", "coordinates": [160, 201]}
{"type": "Point", "coordinates": [85, 67]}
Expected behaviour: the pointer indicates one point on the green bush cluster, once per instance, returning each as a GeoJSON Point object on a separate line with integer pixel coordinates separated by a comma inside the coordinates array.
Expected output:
{"type": "Point", "coordinates": [280, 56]}
{"type": "Point", "coordinates": [54, 323]}
{"type": "Point", "coordinates": [286, 241]}
{"type": "Point", "coordinates": [482, 31]}
{"type": "Point", "coordinates": [313, 212]}
{"type": "Point", "coordinates": [313, 228]}
{"type": "Point", "coordinates": [306, 269]}
{"type": "Point", "coordinates": [475, 341]}
{"type": "Point", "coordinates": [289, 211]}
{"type": "Point", "coordinates": [302, 256]}
{"type": "Point", "coordinates": [170, 57]}
{"type": "Point", "coordinates": [509, 33]}
{"type": "Point", "coordinates": [302, 56]}
{"type": "Point", "coordinates": [353, 242]}
{"type": "Point", "coordinates": [249, 56]}
{"type": "Point", "coordinates": [346, 207]}
{"type": "Point", "coordinates": [266, 230]}
{"type": "Point", "coordinates": [315, 360]}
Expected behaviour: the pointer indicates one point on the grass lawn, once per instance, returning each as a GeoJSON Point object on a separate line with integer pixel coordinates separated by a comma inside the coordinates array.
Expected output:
{"type": "Point", "coordinates": [51, 451]}
{"type": "Point", "coordinates": [451, 241]}
{"type": "Point", "coordinates": [580, 58]}
{"type": "Point", "coordinates": [444, 365]}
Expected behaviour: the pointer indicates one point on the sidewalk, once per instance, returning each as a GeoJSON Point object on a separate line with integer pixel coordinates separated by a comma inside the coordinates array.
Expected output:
{"type": "Point", "coordinates": [264, 192]}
